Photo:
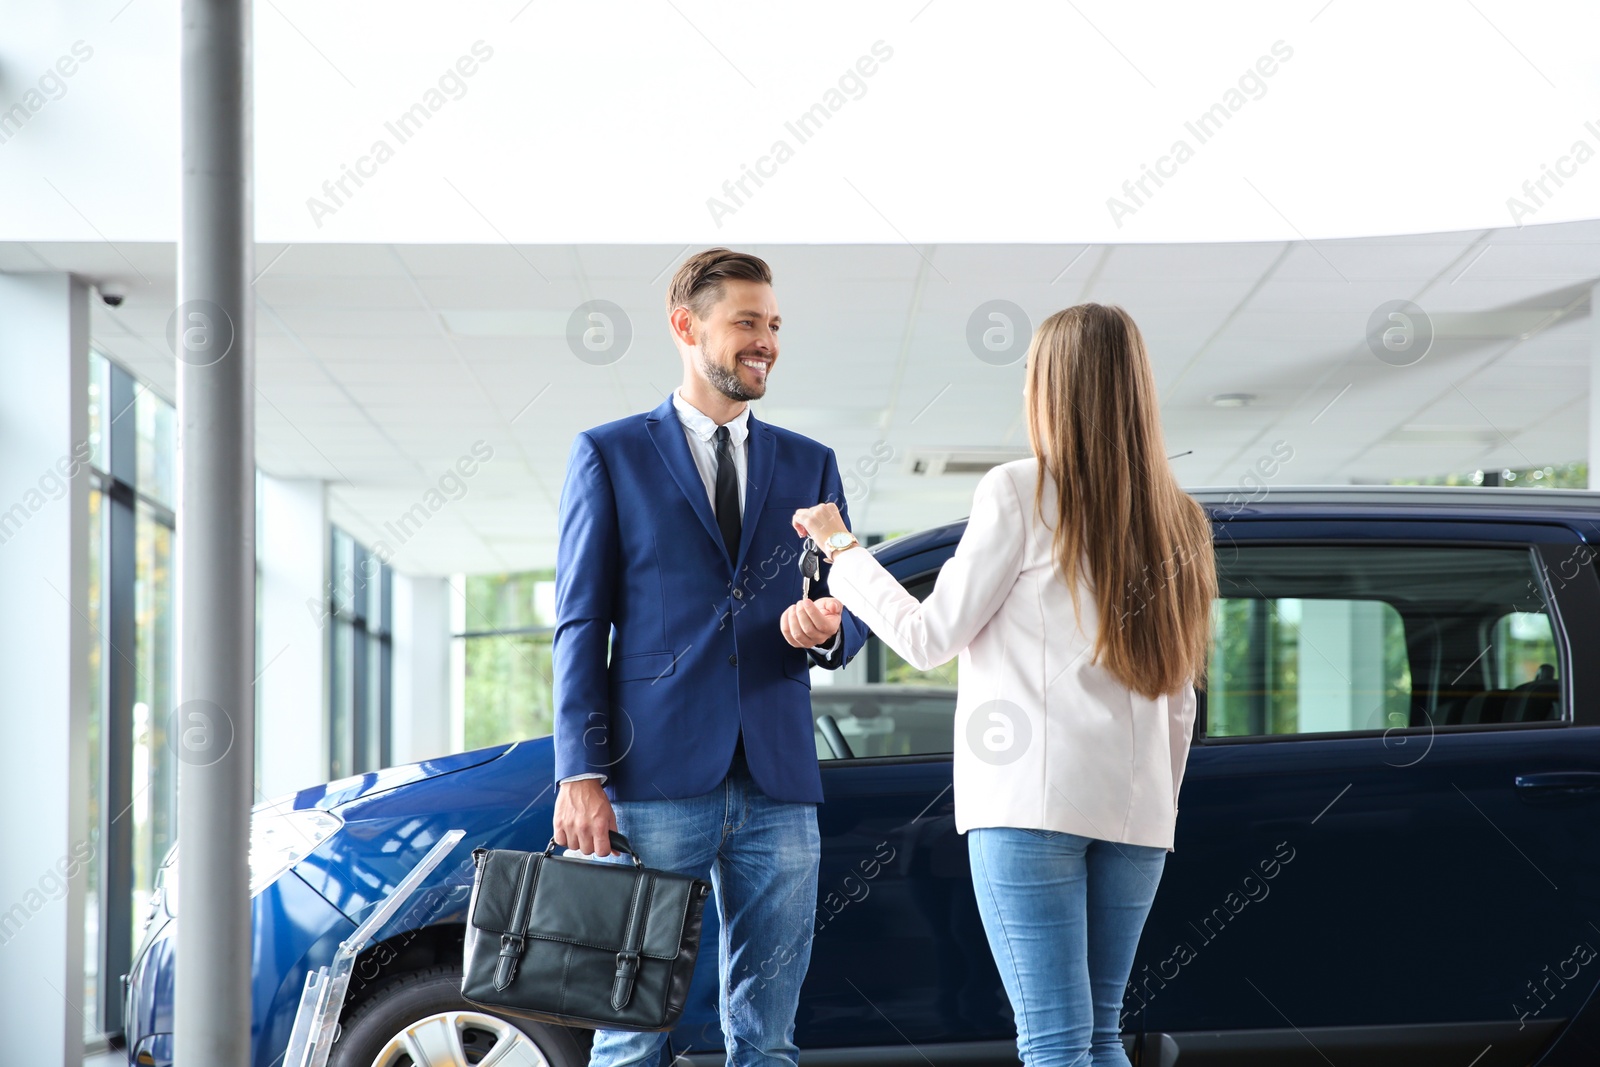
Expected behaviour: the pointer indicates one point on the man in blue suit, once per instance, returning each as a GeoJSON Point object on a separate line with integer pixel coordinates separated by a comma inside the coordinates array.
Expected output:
{"type": "Point", "coordinates": [694, 736]}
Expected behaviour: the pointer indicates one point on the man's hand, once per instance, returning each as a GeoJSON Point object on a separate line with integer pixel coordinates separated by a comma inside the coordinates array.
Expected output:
{"type": "Point", "coordinates": [807, 623]}
{"type": "Point", "coordinates": [584, 819]}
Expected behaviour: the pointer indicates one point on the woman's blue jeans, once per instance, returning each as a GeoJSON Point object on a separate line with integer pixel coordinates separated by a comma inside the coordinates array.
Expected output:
{"type": "Point", "coordinates": [1063, 915]}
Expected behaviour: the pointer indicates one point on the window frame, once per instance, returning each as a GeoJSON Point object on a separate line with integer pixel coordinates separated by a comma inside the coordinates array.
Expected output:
{"type": "Point", "coordinates": [114, 472]}
{"type": "Point", "coordinates": [472, 623]}
{"type": "Point", "coordinates": [1536, 552]}
{"type": "Point", "coordinates": [363, 670]}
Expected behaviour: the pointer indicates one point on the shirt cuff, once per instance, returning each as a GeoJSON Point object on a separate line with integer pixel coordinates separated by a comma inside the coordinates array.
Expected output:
{"type": "Point", "coordinates": [826, 651]}
{"type": "Point", "coordinates": [581, 777]}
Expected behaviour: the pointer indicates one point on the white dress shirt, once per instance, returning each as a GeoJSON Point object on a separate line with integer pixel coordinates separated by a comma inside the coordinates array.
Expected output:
{"type": "Point", "coordinates": [1044, 739]}
{"type": "Point", "coordinates": [701, 431]}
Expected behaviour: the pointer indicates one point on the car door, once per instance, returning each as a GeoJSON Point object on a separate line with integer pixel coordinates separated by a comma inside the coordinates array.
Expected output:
{"type": "Point", "coordinates": [1389, 822]}
{"type": "Point", "coordinates": [899, 960]}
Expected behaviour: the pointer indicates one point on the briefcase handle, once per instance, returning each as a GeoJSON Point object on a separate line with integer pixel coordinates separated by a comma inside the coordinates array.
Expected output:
{"type": "Point", "coordinates": [618, 844]}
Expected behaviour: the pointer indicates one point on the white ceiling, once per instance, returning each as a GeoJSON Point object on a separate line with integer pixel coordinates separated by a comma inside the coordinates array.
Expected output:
{"type": "Point", "coordinates": [929, 121]}
{"type": "Point", "coordinates": [379, 366]}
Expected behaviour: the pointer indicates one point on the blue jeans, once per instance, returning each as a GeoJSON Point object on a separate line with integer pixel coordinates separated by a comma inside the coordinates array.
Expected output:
{"type": "Point", "coordinates": [1063, 915]}
{"type": "Point", "coordinates": [761, 856]}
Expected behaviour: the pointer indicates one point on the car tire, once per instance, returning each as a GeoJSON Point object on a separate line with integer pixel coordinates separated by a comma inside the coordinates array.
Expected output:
{"type": "Point", "coordinates": [423, 1014]}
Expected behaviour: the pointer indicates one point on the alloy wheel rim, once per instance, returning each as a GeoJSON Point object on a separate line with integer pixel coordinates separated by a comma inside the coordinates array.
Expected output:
{"type": "Point", "coordinates": [460, 1039]}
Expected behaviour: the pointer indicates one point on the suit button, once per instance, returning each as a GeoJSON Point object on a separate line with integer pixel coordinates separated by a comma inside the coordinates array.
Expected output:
{"type": "Point", "coordinates": [738, 594]}
{"type": "Point", "coordinates": [733, 661]}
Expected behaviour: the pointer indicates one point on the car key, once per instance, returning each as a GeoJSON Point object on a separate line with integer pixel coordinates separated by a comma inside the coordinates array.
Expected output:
{"type": "Point", "coordinates": [810, 567]}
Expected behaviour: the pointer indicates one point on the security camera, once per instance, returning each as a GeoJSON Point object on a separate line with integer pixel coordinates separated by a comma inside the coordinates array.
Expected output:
{"type": "Point", "coordinates": [112, 295]}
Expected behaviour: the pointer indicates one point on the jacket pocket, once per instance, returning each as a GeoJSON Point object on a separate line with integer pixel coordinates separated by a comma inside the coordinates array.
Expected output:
{"type": "Point", "coordinates": [643, 665]}
{"type": "Point", "coordinates": [797, 664]}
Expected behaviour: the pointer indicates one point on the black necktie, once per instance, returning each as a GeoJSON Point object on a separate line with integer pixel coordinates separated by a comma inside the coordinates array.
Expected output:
{"type": "Point", "coordinates": [727, 494]}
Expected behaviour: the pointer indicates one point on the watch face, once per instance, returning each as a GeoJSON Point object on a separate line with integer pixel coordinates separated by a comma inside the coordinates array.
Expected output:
{"type": "Point", "coordinates": [839, 540]}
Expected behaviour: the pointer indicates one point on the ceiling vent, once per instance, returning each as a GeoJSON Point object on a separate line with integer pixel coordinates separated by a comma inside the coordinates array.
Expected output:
{"type": "Point", "coordinates": [930, 463]}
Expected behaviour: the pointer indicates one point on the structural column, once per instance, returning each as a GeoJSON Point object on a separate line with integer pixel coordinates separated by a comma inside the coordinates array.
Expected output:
{"type": "Point", "coordinates": [1340, 670]}
{"type": "Point", "coordinates": [214, 723]}
{"type": "Point", "coordinates": [421, 618]}
{"type": "Point", "coordinates": [45, 842]}
{"type": "Point", "coordinates": [292, 689]}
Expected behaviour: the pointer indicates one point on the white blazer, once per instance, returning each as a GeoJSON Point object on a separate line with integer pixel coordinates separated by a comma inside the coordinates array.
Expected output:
{"type": "Point", "coordinates": [1043, 738]}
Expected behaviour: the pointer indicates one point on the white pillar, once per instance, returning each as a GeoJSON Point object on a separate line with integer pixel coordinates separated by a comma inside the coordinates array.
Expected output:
{"type": "Point", "coordinates": [293, 687]}
{"type": "Point", "coordinates": [1594, 387]}
{"type": "Point", "coordinates": [44, 658]}
{"type": "Point", "coordinates": [421, 726]}
{"type": "Point", "coordinates": [458, 664]}
{"type": "Point", "coordinates": [1341, 665]}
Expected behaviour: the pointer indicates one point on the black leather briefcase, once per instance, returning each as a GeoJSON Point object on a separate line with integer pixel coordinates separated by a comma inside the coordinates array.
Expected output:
{"type": "Point", "coordinates": [579, 942]}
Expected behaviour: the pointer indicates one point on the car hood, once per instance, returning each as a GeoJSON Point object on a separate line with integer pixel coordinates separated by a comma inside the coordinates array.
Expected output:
{"type": "Point", "coordinates": [361, 786]}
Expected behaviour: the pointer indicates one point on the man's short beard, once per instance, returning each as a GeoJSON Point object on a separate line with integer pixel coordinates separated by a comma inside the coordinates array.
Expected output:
{"type": "Point", "coordinates": [726, 381]}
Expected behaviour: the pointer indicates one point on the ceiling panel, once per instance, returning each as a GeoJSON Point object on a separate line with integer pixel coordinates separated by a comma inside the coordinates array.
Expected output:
{"type": "Point", "coordinates": [1185, 263]}
{"type": "Point", "coordinates": [520, 263]}
{"type": "Point", "coordinates": [283, 290]}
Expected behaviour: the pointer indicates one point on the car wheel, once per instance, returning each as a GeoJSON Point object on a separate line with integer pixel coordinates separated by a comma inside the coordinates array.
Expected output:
{"type": "Point", "coordinates": [420, 1020]}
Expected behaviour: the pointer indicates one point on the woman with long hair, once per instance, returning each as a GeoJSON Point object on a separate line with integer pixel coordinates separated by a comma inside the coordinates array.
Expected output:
{"type": "Point", "coordinates": [1079, 603]}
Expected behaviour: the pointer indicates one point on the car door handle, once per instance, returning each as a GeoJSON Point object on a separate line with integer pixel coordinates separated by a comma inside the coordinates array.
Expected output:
{"type": "Point", "coordinates": [1560, 783]}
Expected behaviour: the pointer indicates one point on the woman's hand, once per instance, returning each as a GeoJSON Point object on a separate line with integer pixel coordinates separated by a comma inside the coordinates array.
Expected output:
{"type": "Point", "coordinates": [819, 523]}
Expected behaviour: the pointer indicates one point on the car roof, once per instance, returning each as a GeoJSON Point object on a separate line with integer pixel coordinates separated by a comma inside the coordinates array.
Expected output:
{"type": "Point", "coordinates": [1567, 506]}
{"type": "Point", "coordinates": [1453, 499]}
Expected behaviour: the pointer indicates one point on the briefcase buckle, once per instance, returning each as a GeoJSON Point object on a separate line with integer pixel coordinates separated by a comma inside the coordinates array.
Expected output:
{"type": "Point", "coordinates": [512, 945]}
{"type": "Point", "coordinates": [627, 971]}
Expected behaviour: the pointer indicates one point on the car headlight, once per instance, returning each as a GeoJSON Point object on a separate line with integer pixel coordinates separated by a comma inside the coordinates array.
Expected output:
{"type": "Point", "coordinates": [166, 874]}
{"type": "Point", "coordinates": [280, 837]}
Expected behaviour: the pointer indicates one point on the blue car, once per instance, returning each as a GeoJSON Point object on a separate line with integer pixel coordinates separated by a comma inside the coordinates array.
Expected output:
{"type": "Point", "coordinates": [1388, 850]}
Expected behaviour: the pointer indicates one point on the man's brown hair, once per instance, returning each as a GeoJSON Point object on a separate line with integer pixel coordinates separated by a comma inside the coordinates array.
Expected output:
{"type": "Point", "coordinates": [697, 285]}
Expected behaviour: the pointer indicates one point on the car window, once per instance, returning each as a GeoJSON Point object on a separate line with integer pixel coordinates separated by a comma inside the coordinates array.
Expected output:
{"type": "Point", "coordinates": [900, 711]}
{"type": "Point", "coordinates": [1525, 647]}
{"type": "Point", "coordinates": [897, 671]}
{"type": "Point", "coordinates": [1317, 639]}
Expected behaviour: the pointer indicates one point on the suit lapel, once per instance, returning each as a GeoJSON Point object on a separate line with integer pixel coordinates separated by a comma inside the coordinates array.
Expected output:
{"type": "Point", "coordinates": [667, 434]}
{"type": "Point", "coordinates": [759, 461]}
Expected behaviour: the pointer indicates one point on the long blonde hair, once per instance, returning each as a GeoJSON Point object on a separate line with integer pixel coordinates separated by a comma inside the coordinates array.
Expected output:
{"type": "Point", "coordinates": [1095, 427]}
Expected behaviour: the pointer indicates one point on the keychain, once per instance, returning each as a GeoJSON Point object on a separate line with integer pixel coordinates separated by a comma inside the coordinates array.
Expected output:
{"type": "Point", "coordinates": [810, 567]}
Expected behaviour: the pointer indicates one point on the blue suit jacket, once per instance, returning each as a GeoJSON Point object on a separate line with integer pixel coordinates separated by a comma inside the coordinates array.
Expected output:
{"type": "Point", "coordinates": [695, 647]}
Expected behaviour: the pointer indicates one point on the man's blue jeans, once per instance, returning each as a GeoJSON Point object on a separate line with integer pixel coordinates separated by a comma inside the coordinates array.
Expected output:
{"type": "Point", "coordinates": [761, 856]}
{"type": "Point", "coordinates": [1063, 915]}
